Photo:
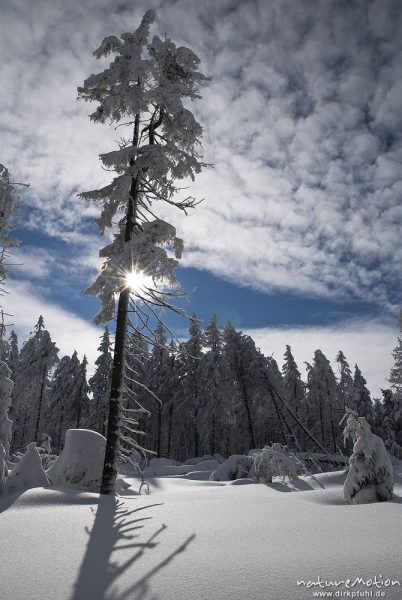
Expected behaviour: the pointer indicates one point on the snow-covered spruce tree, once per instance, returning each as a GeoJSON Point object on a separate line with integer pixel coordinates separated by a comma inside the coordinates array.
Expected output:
{"type": "Point", "coordinates": [37, 357]}
{"type": "Point", "coordinates": [238, 353]}
{"type": "Point", "coordinates": [12, 354]}
{"type": "Point", "coordinates": [172, 412]}
{"type": "Point", "coordinates": [344, 383]}
{"type": "Point", "coordinates": [152, 371]}
{"type": "Point", "coordinates": [361, 399]}
{"type": "Point", "coordinates": [145, 85]}
{"type": "Point", "coordinates": [60, 394]}
{"type": "Point", "coordinates": [395, 377]}
{"type": "Point", "coordinates": [6, 387]}
{"type": "Point", "coordinates": [324, 406]}
{"type": "Point", "coordinates": [100, 384]}
{"type": "Point", "coordinates": [258, 417]}
{"type": "Point", "coordinates": [210, 390]}
{"type": "Point", "coordinates": [391, 418]}
{"type": "Point", "coordinates": [190, 356]}
{"type": "Point", "coordinates": [81, 399]}
{"type": "Point", "coordinates": [370, 475]}
{"type": "Point", "coordinates": [292, 385]}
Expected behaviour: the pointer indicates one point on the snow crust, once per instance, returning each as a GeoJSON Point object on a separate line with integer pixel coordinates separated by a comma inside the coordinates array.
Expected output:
{"type": "Point", "coordinates": [81, 460]}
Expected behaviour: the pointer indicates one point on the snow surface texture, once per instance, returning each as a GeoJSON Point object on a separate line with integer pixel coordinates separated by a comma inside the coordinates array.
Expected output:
{"type": "Point", "coordinates": [80, 463]}
{"type": "Point", "coordinates": [198, 540]}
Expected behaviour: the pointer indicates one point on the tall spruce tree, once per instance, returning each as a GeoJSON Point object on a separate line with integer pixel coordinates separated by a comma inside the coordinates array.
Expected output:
{"type": "Point", "coordinates": [99, 385]}
{"type": "Point", "coordinates": [158, 368]}
{"type": "Point", "coordinates": [344, 386]}
{"type": "Point", "coordinates": [37, 357]}
{"type": "Point", "coordinates": [395, 377]}
{"type": "Point", "coordinates": [361, 396]}
{"type": "Point", "coordinates": [293, 386]}
{"type": "Point", "coordinates": [60, 393]}
{"type": "Point", "coordinates": [210, 390]}
{"type": "Point", "coordinates": [190, 363]}
{"type": "Point", "coordinates": [325, 407]}
{"type": "Point", "coordinates": [145, 85]}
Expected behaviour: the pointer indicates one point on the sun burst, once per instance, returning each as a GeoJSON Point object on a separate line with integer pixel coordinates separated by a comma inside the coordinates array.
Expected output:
{"type": "Point", "coordinates": [137, 281]}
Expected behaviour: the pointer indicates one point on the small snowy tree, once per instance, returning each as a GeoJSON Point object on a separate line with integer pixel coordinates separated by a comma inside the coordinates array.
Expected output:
{"type": "Point", "coordinates": [144, 85]}
{"type": "Point", "coordinates": [273, 462]}
{"type": "Point", "coordinates": [370, 475]}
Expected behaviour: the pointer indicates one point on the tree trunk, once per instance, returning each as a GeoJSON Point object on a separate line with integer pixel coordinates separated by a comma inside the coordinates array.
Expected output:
{"type": "Point", "coordinates": [248, 413]}
{"type": "Point", "coordinates": [170, 424]}
{"type": "Point", "coordinates": [109, 475]}
{"type": "Point", "coordinates": [60, 429]}
{"type": "Point", "coordinates": [159, 433]}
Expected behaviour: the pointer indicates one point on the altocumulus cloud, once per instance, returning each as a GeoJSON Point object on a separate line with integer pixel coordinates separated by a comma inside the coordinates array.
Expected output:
{"type": "Point", "coordinates": [302, 122]}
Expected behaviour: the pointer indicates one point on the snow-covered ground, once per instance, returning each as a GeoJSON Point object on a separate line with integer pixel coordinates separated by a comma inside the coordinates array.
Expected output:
{"type": "Point", "coordinates": [201, 540]}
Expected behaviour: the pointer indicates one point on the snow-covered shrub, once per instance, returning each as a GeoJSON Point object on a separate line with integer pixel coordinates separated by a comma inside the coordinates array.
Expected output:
{"type": "Point", "coordinates": [28, 473]}
{"type": "Point", "coordinates": [45, 451]}
{"type": "Point", "coordinates": [237, 466]}
{"type": "Point", "coordinates": [370, 475]}
{"type": "Point", "coordinates": [272, 462]}
{"type": "Point", "coordinates": [81, 460]}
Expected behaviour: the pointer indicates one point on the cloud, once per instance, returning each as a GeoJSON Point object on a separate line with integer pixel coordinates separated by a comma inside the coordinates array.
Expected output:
{"type": "Point", "coordinates": [367, 343]}
{"type": "Point", "coordinates": [301, 120]}
{"type": "Point", "coordinates": [70, 332]}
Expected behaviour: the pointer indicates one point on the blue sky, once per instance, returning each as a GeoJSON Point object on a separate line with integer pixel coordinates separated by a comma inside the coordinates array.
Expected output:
{"type": "Point", "coordinates": [298, 237]}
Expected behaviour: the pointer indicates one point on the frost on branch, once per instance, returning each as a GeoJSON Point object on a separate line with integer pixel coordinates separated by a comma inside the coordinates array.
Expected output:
{"type": "Point", "coordinates": [145, 252]}
{"type": "Point", "coordinates": [8, 201]}
{"type": "Point", "coordinates": [370, 476]}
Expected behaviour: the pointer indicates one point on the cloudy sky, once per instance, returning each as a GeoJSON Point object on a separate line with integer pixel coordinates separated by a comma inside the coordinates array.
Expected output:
{"type": "Point", "coordinates": [298, 238]}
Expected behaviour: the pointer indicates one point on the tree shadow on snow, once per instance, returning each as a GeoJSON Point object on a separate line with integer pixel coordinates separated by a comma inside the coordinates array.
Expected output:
{"type": "Point", "coordinates": [118, 527]}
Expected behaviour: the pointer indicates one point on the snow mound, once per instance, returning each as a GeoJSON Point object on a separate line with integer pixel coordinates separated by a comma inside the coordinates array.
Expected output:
{"type": "Point", "coordinates": [28, 473]}
{"type": "Point", "coordinates": [237, 466]}
{"type": "Point", "coordinates": [80, 463]}
{"type": "Point", "coordinates": [163, 467]}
